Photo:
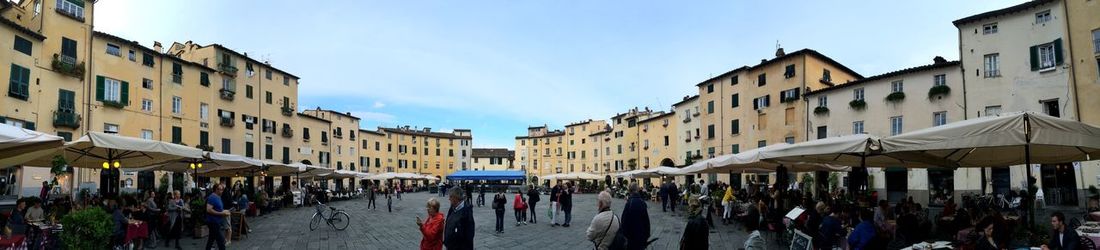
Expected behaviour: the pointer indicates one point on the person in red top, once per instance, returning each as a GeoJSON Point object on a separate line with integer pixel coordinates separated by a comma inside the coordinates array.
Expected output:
{"type": "Point", "coordinates": [520, 207]}
{"type": "Point", "coordinates": [432, 229]}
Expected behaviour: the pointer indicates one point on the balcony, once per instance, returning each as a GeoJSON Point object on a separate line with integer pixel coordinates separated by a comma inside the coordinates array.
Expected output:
{"type": "Point", "coordinates": [66, 119]}
{"type": "Point", "coordinates": [288, 132]}
{"type": "Point", "coordinates": [227, 69]}
{"type": "Point", "coordinates": [67, 65]}
{"type": "Point", "coordinates": [226, 122]}
{"type": "Point", "coordinates": [227, 94]}
{"type": "Point", "coordinates": [287, 111]}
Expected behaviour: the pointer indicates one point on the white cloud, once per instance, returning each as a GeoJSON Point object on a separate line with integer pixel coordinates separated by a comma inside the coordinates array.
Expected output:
{"type": "Point", "coordinates": [378, 105]}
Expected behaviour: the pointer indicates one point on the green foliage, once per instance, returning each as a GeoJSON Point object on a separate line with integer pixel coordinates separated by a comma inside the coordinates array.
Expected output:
{"type": "Point", "coordinates": [938, 90]}
{"type": "Point", "coordinates": [895, 97]}
{"type": "Point", "coordinates": [60, 166]}
{"type": "Point", "coordinates": [857, 104]}
{"type": "Point", "coordinates": [821, 110]}
{"type": "Point", "coordinates": [198, 210]}
{"type": "Point", "coordinates": [834, 180]}
{"type": "Point", "coordinates": [90, 228]}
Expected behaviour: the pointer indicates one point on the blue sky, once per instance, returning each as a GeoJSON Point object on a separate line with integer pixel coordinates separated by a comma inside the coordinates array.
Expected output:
{"type": "Point", "coordinates": [497, 67]}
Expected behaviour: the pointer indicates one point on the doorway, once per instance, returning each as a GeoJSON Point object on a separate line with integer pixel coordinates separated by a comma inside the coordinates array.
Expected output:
{"type": "Point", "coordinates": [897, 184]}
{"type": "Point", "coordinates": [1059, 184]}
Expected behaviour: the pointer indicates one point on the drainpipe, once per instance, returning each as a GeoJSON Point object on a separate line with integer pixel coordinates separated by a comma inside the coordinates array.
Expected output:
{"type": "Point", "coordinates": [1072, 71]}
{"type": "Point", "coordinates": [87, 75]}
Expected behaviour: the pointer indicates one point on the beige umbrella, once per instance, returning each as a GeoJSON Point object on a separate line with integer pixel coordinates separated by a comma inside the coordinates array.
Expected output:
{"type": "Point", "coordinates": [211, 161]}
{"type": "Point", "coordinates": [859, 150]}
{"type": "Point", "coordinates": [99, 150]}
{"type": "Point", "coordinates": [18, 146]}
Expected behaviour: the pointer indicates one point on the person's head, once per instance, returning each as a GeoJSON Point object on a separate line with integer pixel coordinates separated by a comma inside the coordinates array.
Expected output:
{"type": "Point", "coordinates": [433, 206]}
{"type": "Point", "coordinates": [603, 200]}
{"type": "Point", "coordinates": [455, 195]}
{"type": "Point", "coordinates": [820, 207]}
{"type": "Point", "coordinates": [218, 188]}
{"type": "Point", "coordinates": [175, 194]}
{"type": "Point", "coordinates": [1058, 221]}
{"type": "Point", "coordinates": [633, 188]}
{"type": "Point", "coordinates": [152, 194]}
{"type": "Point", "coordinates": [986, 225]}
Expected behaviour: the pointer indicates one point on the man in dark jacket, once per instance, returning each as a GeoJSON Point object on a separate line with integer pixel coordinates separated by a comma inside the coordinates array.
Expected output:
{"type": "Point", "coordinates": [532, 199]}
{"type": "Point", "coordinates": [567, 203]}
{"type": "Point", "coordinates": [673, 196]}
{"type": "Point", "coordinates": [662, 193]}
{"type": "Point", "coordinates": [635, 221]}
{"type": "Point", "coordinates": [458, 231]}
{"type": "Point", "coordinates": [1062, 237]}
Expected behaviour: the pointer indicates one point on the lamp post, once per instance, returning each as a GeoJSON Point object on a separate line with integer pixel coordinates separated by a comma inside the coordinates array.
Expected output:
{"type": "Point", "coordinates": [195, 172]}
{"type": "Point", "coordinates": [110, 186]}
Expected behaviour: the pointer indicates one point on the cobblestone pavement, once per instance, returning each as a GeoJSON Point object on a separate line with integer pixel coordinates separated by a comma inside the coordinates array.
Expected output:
{"type": "Point", "coordinates": [378, 229]}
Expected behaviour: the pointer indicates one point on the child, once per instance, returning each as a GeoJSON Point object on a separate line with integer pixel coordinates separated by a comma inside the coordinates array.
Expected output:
{"type": "Point", "coordinates": [520, 207]}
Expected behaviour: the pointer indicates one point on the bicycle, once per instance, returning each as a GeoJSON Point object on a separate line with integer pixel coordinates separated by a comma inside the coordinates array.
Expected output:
{"type": "Point", "coordinates": [337, 218]}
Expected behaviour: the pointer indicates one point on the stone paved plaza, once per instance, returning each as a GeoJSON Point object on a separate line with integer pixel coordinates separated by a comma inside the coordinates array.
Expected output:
{"type": "Point", "coordinates": [378, 229]}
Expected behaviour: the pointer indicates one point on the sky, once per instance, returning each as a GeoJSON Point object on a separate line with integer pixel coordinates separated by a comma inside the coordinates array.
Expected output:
{"type": "Point", "coordinates": [497, 67]}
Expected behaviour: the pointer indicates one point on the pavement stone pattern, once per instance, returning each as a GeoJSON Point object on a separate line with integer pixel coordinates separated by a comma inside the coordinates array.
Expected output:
{"type": "Point", "coordinates": [378, 229]}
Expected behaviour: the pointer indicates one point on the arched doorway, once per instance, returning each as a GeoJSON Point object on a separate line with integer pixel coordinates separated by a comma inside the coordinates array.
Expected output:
{"type": "Point", "coordinates": [668, 163]}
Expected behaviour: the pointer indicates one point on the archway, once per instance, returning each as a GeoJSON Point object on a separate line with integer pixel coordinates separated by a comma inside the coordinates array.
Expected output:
{"type": "Point", "coordinates": [668, 163]}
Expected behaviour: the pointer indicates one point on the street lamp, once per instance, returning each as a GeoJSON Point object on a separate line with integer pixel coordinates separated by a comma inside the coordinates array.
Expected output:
{"type": "Point", "coordinates": [195, 170]}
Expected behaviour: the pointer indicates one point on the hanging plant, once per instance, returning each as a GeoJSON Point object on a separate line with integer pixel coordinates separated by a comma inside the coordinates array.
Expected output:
{"type": "Point", "coordinates": [59, 166]}
{"type": "Point", "coordinates": [821, 110]}
{"type": "Point", "coordinates": [857, 104]}
{"type": "Point", "coordinates": [938, 91]}
{"type": "Point", "coordinates": [895, 97]}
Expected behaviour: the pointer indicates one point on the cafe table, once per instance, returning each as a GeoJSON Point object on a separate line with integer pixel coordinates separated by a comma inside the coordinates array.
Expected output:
{"type": "Point", "coordinates": [13, 242]}
{"type": "Point", "coordinates": [136, 230]}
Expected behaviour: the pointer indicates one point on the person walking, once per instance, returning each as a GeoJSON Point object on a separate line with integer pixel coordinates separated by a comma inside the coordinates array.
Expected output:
{"type": "Point", "coordinates": [662, 192]}
{"type": "Point", "coordinates": [152, 215]}
{"type": "Point", "coordinates": [605, 225]}
{"type": "Point", "coordinates": [673, 197]}
{"type": "Point", "coordinates": [532, 200]}
{"type": "Point", "coordinates": [458, 233]}
{"type": "Point", "coordinates": [389, 200]}
{"type": "Point", "coordinates": [520, 208]}
{"type": "Point", "coordinates": [215, 218]}
{"type": "Point", "coordinates": [431, 229]}
{"type": "Point", "coordinates": [481, 195]}
{"type": "Point", "coordinates": [176, 209]}
{"type": "Point", "coordinates": [635, 222]}
{"type": "Point", "coordinates": [566, 201]}
{"type": "Point", "coordinates": [727, 206]}
{"type": "Point", "coordinates": [696, 233]}
{"type": "Point", "coordinates": [370, 197]}
{"type": "Point", "coordinates": [469, 194]}
{"type": "Point", "coordinates": [498, 205]}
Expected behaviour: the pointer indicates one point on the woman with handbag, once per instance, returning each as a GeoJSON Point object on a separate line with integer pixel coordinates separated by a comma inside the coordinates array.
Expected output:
{"type": "Point", "coordinates": [176, 210]}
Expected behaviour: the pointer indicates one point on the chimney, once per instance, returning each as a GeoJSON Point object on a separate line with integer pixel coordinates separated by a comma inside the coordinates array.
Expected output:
{"type": "Point", "coordinates": [348, 113]}
{"type": "Point", "coordinates": [157, 47]}
{"type": "Point", "coordinates": [938, 60]}
{"type": "Point", "coordinates": [762, 61]}
{"type": "Point", "coordinates": [427, 130]}
{"type": "Point", "coordinates": [779, 52]}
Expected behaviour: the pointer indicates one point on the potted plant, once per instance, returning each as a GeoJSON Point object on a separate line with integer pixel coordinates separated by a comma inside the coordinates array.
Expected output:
{"type": "Point", "coordinates": [87, 229]}
{"type": "Point", "coordinates": [938, 91]}
{"type": "Point", "coordinates": [198, 212]}
{"type": "Point", "coordinates": [858, 104]}
{"type": "Point", "coordinates": [895, 97]}
{"type": "Point", "coordinates": [821, 110]}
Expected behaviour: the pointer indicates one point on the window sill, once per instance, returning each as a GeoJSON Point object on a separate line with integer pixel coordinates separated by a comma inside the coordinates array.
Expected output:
{"type": "Point", "coordinates": [1048, 69]}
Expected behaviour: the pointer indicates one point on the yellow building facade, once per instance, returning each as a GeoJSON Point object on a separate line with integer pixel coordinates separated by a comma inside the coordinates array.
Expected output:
{"type": "Point", "coordinates": [492, 159]}
{"type": "Point", "coordinates": [422, 151]}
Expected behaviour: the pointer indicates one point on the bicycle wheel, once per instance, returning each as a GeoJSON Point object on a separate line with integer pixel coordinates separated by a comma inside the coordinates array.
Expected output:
{"type": "Point", "coordinates": [340, 220]}
{"type": "Point", "coordinates": [314, 222]}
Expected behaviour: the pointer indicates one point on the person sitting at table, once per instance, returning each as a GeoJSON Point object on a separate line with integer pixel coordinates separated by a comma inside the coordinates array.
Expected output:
{"type": "Point", "coordinates": [1061, 236]}
{"type": "Point", "coordinates": [120, 222]}
{"type": "Point", "coordinates": [35, 212]}
{"type": "Point", "coordinates": [990, 233]}
{"type": "Point", "coordinates": [882, 215]}
{"type": "Point", "coordinates": [831, 230]}
{"type": "Point", "coordinates": [864, 233]}
{"type": "Point", "coordinates": [17, 224]}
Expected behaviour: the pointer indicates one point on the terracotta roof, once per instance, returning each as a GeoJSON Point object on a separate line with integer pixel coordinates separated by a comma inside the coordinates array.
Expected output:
{"type": "Point", "coordinates": [807, 52]}
{"type": "Point", "coordinates": [888, 75]}
{"type": "Point", "coordinates": [1005, 11]}
{"type": "Point", "coordinates": [492, 152]}
{"type": "Point", "coordinates": [137, 45]}
{"type": "Point", "coordinates": [600, 133]}
{"type": "Point", "coordinates": [686, 99]}
{"type": "Point", "coordinates": [238, 54]}
{"type": "Point", "coordinates": [371, 132]}
{"type": "Point", "coordinates": [579, 123]}
{"type": "Point", "coordinates": [549, 134]}
{"type": "Point", "coordinates": [20, 28]}
{"type": "Point", "coordinates": [313, 117]}
{"type": "Point", "coordinates": [657, 117]}
{"type": "Point", "coordinates": [422, 133]}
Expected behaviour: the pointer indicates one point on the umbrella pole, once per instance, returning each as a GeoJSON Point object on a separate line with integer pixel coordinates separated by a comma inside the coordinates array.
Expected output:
{"type": "Point", "coordinates": [1027, 160]}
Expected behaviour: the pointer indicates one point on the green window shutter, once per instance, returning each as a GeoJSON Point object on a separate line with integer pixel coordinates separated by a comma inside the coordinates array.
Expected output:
{"type": "Point", "coordinates": [1034, 58]}
{"type": "Point", "coordinates": [28, 125]}
{"type": "Point", "coordinates": [177, 136]}
{"type": "Point", "coordinates": [65, 100]}
{"type": "Point", "coordinates": [204, 138]}
{"type": "Point", "coordinates": [3, 120]}
{"type": "Point", "coordinates": [125, 97]}
{"type": "Point", "coordinates": [99, 88]}
{"type": "Point", "coordinates": [1058, 60]}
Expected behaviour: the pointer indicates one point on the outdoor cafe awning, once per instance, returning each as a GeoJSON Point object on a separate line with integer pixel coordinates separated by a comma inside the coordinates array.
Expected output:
{"type": "Point", "coordinates": [487, 175]}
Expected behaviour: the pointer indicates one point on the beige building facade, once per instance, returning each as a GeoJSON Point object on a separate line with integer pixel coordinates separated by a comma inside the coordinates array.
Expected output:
{"type": "Point", "coordinates": [492, 159]}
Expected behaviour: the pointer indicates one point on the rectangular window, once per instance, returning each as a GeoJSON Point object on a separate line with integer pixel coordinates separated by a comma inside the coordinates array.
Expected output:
{"type": "Point", "coordinates": [761, 80]}
{"type": "Point", "coordinates": [132, 56]}
{"type": "Point", "coordinates": [992, 110]}
{"type": "Point", "coordinates": [761, 122]}
{"type": "Point", "coordinates": [822, 132]}
{"type": "Point", "coordinates": [789, 72]}
{"type": "Point", "coordinates": [147, 59]}
{"type": "Point", "coordinates": [177, 105]}
{"type": "Point", "coordinates": [110, 128]}
{"type": "Point", "coordinates": [735, 148]}
{"type": "Point", "coordinates": [789, 140]}
{"type": "Point", "coordinates": [226, 145]}
{"type": "Point", "coordinates": [710, 107]}
{"type": "Point", "coordinates": [1096, 41]}
{"type": "Point", "coordinates": [1045, 55]}
{"type": "Point", "coordinates": [761, 143]}
{"type": "Point", "coordinates": [857, 127]}
{"type": "Point", "coordinates": [268, 74]}
{"type": "Point", "coordinates": [733, 80]}
{"type": "Point", "coordinates": [146, 134]}
{"type": "Point", "coordinates": [939, 80]}
{"type": "Point", "coordinates": [113, 50]}
{"type": "Point", "coordinates": [72, 8]}
{"type": "Point", "coordinates": [989, 29]}
{"type": "Point", "coordinates": [897, 86]}
{"type": "Point", "coordinates": [204, 79]}
{"type": "Point", "coordinates": [992, 65]}
{"type": "Point", "coordinates": [939, 118]}
{"type": "Point", "coordinates": [895, 125]}
{"type": "Point", "coordinates": [857, 94]}
{"type": "Point", "coordinates": [789, 116]}
{"type": "Point", "coordinates": [1042, 17]}
{"type": "Point", "coordinates": [789, 95]}
{"type": "Point", "coordinates": [1051, 108]}
{"type": "Point", "coordinates": [826, 76]}
{"type": "Point", "coordinates": [761, 102]}
{"type": "Point", "coordinates": [177, 135]}
{"type": "Point", "coordinates": [267, 97]}
{"type": "Point", "coordinates": [710, 88]}
{"type": "Point", "coordinates": [823, 101]}
{"type": "Point", "coordinates": [735, 126]}
{"type": "Point", "coordinates": [204, 111]}
{"type": "Point", "coordinates": [177, 72]}
{"type": "Point", "coordinates": [286, 80]}
{"type": "Point", "coordinates": [66, 101]}
{"type": "Point", "coordinates": [23, 45]}
{"type": "Point", "coordinates": [19, 84]}
{"type": "Point", "coordinates": [68, 50]}
{"type": "Point", "coordinates": [735, 101]}
{"type": "Point", "coordinates": [146, 105]}
{"type": "Point", "coordinates": [248, 91]}
{"type": "Point", "coordinates": [710, 131]}
{"type": "Point", "coordinates": [147, 83]}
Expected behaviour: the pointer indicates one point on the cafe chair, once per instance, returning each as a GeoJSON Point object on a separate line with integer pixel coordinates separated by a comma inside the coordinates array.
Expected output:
{"type": "Point", "coordinates": [1087, 243]}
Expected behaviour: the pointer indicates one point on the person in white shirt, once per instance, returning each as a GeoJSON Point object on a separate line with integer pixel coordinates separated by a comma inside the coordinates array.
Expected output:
{"type": "Point", "coordinates": [604, 225]}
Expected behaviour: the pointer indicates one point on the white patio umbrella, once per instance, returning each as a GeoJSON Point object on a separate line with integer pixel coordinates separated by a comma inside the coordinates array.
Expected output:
{"type": "Point", "coordinates": [211, 161]}
{"type": "Point", "coordinates": [19, 145]}
{"type": "Point", "coordinates": [96, 150]}
{"type": "Point", "coordinates": [1000, 141]}
{"type": "Point", "coordinates": [859, 150]}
